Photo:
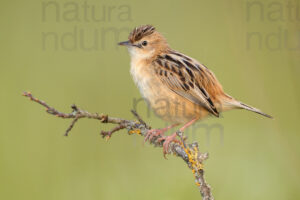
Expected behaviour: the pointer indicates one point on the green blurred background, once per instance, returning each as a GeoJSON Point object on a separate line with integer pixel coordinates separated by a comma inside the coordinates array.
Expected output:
{"type": "Point", "coordinates": [252, 46]}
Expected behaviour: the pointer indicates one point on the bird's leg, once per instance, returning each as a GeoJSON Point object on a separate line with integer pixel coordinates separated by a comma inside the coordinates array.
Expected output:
{"type": "Point", "coordinates": [188, 124]}
{"type": "Point", "coordinates": [172, 138]}
{"type": "Point", "coordinates": [156, 132]}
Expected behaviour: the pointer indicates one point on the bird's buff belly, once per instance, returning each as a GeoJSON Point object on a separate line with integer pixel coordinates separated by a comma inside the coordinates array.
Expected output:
{"type": "Point", "coordinates": [165, 103]}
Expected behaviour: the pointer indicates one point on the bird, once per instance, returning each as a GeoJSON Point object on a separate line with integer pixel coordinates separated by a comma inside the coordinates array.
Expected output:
{"type": "Point", "coordinates": [177, 87]}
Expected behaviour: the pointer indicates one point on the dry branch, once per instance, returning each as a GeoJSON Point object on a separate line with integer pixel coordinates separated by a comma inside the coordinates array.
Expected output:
{"type": "Point", "coordinates": [188, 152]}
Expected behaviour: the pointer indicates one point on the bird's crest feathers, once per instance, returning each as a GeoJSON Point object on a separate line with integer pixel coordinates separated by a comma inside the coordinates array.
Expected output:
{"type": "Point", "coordinates": [140, 32]}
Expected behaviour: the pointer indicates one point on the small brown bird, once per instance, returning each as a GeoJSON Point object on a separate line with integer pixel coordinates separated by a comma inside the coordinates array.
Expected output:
{"type": "Point", "coordinates": [176, 86]}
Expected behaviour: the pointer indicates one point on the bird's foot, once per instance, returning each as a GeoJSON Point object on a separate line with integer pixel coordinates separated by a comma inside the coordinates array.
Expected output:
{"type": "Point", "coordinates": [154, 133]}
{"type": "Point", "coordinates": [167, 141]}
{"type": "Point", "coordinates": [157, 132]}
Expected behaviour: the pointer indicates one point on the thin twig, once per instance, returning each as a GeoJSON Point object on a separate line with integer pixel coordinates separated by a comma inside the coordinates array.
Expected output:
{"type": "Point", "coordinates": [108, 134]}
{"type": "Point", "coordinates": [138, 117]}
{"type": "Point", "coordinates": [71, 126]}
{"type": "Point", "coordinates": [188, 152]}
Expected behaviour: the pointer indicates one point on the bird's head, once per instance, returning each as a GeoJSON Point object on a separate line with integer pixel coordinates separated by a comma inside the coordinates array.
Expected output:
{"type": "Point", "coordinates": [145, 42]}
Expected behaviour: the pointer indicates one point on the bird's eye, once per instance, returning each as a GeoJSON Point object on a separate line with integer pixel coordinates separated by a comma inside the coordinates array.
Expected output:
{"type": "Point", "coordinates": [144, 43]}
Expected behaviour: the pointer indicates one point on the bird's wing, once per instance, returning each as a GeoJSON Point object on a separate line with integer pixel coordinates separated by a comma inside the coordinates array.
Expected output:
{"type": "Point", "coordinates": [186, 78]}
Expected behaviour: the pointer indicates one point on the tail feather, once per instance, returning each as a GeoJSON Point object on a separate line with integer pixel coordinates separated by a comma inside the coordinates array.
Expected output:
{"type": "Point", "coordinates": [232, 103]}
{"type": "Point", "coordinates": [246, 107]}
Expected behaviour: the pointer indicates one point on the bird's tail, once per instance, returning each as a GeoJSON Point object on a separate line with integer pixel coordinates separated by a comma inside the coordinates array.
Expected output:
{"type": "Point", "coordinates": [232, 103]}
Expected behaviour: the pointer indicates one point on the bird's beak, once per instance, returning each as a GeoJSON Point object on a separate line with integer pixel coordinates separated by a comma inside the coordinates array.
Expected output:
{"type": "Point", "coordinates": [126, 43]}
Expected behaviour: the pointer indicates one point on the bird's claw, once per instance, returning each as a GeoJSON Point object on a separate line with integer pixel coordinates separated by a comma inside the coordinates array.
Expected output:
{"type": "Point", "coordinates": [167, 141]}
{"type": "Point", "coordinates": [153, 133]}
